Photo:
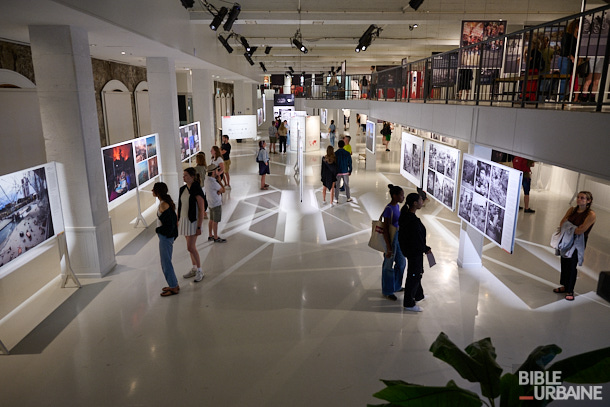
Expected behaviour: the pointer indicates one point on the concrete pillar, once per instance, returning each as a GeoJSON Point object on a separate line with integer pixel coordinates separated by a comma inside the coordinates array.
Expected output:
{"type": "Point", "coordinates": [163, 98]}
{"type": "Point", "coordinates": [203, 107]}
{"type": "Point", "coordinates": [64, 83]}
{"type": "Point", "coordinates": [470, 252]}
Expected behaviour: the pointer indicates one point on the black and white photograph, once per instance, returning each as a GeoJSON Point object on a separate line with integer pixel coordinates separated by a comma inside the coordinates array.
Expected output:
{"type": "Point", "coordinates": [432, 153]}
{"type": "Point", "coordinates": [494, 198]}
{"type": "Point", "coordinates": [448, 190]}
{"type": "Point", "coordinates": [25, 213]}
{"type": "Point", "coordinates": [440, 163]}
{"type": "Point", "coordinates": [411, 161]}
{"type": "Point", "coordinates": [481, 182]}
{"type": "Point", "coordinates": [498, 186]}
{"type": "Point", "coordinates": [478, 214]}
{"type": "Point", "coordinates": [451, 166]}
{"type": "Point", "coordinates": [495, 222]}
{"type": "Point", "coordinates": [430, 183]}
{"type": "Point", "coordinates": [469, 169]}
{"type": "Point", "coordinates": [438, 186]}
{"type": "Point", "coordinates": [465, 204]}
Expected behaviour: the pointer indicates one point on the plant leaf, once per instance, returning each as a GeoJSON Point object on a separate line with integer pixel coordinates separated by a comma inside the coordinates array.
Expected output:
{"type": "Point", "coordinates": [590, 367]}
{"type": "Point", "coordinates": [400, 393]}
{"type": "Point", "coordinates": [448, 352]}
{"type": "Point", "coordinates": [540, 357]}
{"type": "Point", "coordinates": [489, 376]}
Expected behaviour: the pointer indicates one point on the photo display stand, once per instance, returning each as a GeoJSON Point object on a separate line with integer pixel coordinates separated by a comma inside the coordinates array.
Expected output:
{"type": "Point", "coordinates": [441, 173]}
{"type": "Point", "coordinates": [489, 199]}
{"type": "Point", "coordinates": [412, 158]}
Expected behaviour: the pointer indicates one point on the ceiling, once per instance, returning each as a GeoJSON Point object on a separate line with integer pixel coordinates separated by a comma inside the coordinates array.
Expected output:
{"type": "Point", "coordinates": [330, 30]}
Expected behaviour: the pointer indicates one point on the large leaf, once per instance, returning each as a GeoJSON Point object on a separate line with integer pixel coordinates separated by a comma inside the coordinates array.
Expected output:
{"type": "Point", "coordinates": [484, 352]}
{"type": "Point", "coordinates": [400, 393]}
{"type": "Point", "coordinates": [540, 357]}
{"type": "Point", "coordinates": [590, 368]}
{"type": "Point", "coordinates": [448, 352]}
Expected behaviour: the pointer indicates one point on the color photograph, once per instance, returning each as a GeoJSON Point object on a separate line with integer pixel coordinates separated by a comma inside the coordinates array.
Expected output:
{"type": "Point", "coordinates": [120, 170]}
{"type": "Point", "coordinates": [140, 147]}
{"type": "Point", "coordinates": [142, 171]}
{"type": "Point", "coordinates": [25, 213]}
{"type": "Point", "coordinates": [153, 167]}
{"type": "Point", "coordinates": [151, 146]}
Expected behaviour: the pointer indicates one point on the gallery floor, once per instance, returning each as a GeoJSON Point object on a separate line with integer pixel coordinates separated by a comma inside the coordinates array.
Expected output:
{"type": "Point", "coordinates": [290, 312]}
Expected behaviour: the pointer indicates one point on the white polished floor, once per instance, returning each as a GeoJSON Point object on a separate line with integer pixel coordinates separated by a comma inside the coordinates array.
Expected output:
{"type": "Point", "coordinates": [290, 312]}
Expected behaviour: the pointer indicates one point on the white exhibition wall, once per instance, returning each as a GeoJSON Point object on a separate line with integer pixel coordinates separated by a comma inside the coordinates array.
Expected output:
{"type": "Point", "coordinates": [239, 126]}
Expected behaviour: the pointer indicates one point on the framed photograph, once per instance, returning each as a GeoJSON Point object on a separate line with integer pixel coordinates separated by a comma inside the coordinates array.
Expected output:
{"type": "Point", "coordinates": [477, 31]}
{"type": "Point", "coordinates": [370, 136]}
{"type": "Point", "coordinates": [489, 199]}
{"type": "Point", "coordinates": [442, 161]}
{"type": "Point", "coordinates": [140, 149]}
{"type": "Point", "coordinates": [189, 140]}
{"type": "Point", "coordinates": [30, 213]}
{"type": "Point", "coordinates": [119, 169]}
{"type": "Point", "coordinates": [411, 159]}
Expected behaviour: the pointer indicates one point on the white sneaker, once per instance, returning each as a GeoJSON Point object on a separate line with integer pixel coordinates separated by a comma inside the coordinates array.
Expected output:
{"type": "Point", "coordinates": [199, 276]}
{"type": "Point", "coordinates": [349, 199]}
{"type": "Point", "coordinates": [190, 274]}
{"type": "Point", "coordinates": [336, 201]}
{"type": "Point", "coordinates": [415, 308]}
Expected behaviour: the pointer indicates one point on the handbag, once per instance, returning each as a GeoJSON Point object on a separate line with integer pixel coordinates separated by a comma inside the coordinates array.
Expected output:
{"type": "Point", "coordinates": [582, 69]}
{"type": "Point", "coordinates": [377, 240]}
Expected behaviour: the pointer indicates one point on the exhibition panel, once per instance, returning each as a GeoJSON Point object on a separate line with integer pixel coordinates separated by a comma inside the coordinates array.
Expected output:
{"type": "Point", "coordinates": [489, 199]}
{"type": "Point", "coordinates": [147, 164]}
{"type": "Point", "coordinates": [411, 158]}
{"type": "Point", "coordinates": [370, 136]}
{"type": "Point", "coordinates": [441, 172]}
{"type": "Point", "coordinates": [190, 140]}
{"type": "Point", "coordinates": [239, 127]}
{"type": "Point", "coordinates": [30, 213]}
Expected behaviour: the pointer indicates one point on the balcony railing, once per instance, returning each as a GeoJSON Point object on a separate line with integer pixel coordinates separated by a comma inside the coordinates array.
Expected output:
{"type": "Point", "coordinates": [553, 64]}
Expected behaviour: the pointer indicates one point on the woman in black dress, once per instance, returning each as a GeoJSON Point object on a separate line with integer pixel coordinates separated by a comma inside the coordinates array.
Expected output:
{"type": "Point", "coordinates": [412, 240]}
{"type": "Point", "coordinates": [329, 173]}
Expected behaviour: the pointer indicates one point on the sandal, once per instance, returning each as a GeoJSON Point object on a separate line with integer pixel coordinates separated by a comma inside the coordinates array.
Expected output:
{"type": "Point", "coordinates": [570, 296]}
{"type": "Point", "coordinates": [264, 188]}
{"type": "Point", "coordinates": [559, 290]}
{"type": "Point", "coordinates": [171, 291]}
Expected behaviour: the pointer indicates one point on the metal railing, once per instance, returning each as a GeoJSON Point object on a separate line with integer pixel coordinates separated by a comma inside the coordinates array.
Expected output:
{"type": "Point", "coordinates": [557, 63]}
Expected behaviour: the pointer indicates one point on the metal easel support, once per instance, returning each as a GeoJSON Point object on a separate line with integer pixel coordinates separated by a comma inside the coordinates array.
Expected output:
{"type": "Point", "coordinates": [66, 268]}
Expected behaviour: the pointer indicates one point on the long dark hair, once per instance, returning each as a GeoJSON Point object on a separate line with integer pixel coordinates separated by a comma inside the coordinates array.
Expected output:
{"type": "Point", "coordinates": [330, 155]}
{"type": "Point", "coordinates": [260, 144]}
{"type": "Point", "coordinates": [193, 173]}
{"type": "Point", "coordinates": [411, 199]}
{"type": "Point", "coordinates": [160, 190]}
{"type": "Point", "coordinates": [589, 196]}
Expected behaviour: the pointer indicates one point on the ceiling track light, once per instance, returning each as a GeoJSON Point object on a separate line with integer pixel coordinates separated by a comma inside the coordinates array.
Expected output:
{"type": "Point", "coordinates": [367, 38]}
{"type": "Point", "coordinates": [225, 43]}
{"type": "Point", "coordinates": [297, 41]}
{"type": "Point", "coordinates": [235, 10]}
{"type": "Point", "coordinates": [187, 3]}
{"type": "Point", "coordinates": [268, 50]}
{"type": "Point", "coordinates": [248, 58]}
{"type": "Point", "coordinates": [263, 66]}
{"type": "Point", "coordinates": [414, 4]}
{"type": "Point", "coordinates": [412, 26]}
{"type": "Point", "coordinates": [218, 17]}
{"type": "Point", "coordinates": [244, 42]}
{"type": "Point", "coordinates": [252, 50]}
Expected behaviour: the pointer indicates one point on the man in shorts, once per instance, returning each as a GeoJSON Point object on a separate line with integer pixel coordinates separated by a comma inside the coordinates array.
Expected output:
{"type": "Point", "coordinates": [213, 193]}
{"type": "Point", "coordinates": [525, 165]}
{"type": "Point", "coordinates": [225, 150]}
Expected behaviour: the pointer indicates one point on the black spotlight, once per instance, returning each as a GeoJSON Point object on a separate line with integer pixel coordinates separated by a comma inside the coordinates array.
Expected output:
{"type": "Point", "coordinates": [414, 4]}
{"type": "Point", "coordinates": [244, 42]}
{"type": "Point", "coordinates": [232, 17]}
{"type": "Point", "coordinates": [263, 66]}
{"type": "Point", "coordinates": [248, 58]}
{"type": "Point", "coordinates": [218, 17]}
{"type": "Point", "coordinates": [225, 43]}
{"type": "Point", "coordinates": [252, 51]}
{"type": "Point", "coordinates": [187, 3]}
{"type": "Point", "coordinates": [290, 69]}
{"type": "Point", "coordinates": [300, 46]}
{"type": "Point", "coordinates": [365, 41]}
{"type": "Point", "coordinates": [268, 50]}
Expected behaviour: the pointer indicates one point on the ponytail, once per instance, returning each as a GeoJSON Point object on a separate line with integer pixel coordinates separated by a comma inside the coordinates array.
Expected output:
{"type": "Point", "coordinates": [160, 190]}
{"type": "Point", "coordinates": [411, 199]}
{"type": "Point", "coordinates": [394, 190]}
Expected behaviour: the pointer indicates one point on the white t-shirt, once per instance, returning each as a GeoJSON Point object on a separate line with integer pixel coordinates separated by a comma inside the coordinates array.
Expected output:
{"type": "Point", "coordinates": [211, 192]}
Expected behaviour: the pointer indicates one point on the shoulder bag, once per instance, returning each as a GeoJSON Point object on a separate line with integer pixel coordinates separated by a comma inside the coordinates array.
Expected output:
{"type": "Point", "coordinates": [377, 240]}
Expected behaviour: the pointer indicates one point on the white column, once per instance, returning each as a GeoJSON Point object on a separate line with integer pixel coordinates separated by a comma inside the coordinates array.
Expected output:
{"type": "Point", "coordinates": [470, 251]}
{"type": "Point", "coordinates": [203, 107]}
{"type": "Point", "coordinates": [163, 99]}
{"type": "Point", "coordinates": [64, 83]}
{"type": "Point", "coordinates": [287, 84]}
{"type": "Point", "coordinates": [242, 94]}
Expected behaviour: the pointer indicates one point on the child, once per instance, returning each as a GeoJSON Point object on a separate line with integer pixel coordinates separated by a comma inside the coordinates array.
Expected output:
{"type": "Point", "coordinates": [213, 192]}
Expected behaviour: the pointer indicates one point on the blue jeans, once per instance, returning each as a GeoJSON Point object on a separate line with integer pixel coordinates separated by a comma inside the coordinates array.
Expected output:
{"type": "Point", "coordinates": [393, 269]}
{"type": "Point", "coordinates": [332, 139]}
{"type": "Point", "coordinates": [166, 248]}
{"type": "Point", "coordinates": [565, 68]}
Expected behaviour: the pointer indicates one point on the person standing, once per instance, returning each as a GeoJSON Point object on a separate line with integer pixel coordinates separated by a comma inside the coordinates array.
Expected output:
{"type": "Point", "coordinates": [216, 159]}
{"type": "Point", "coordinates": [386, 132]}
{"type": "Point", "coordinates": [201, 171]}
{"type": "Point", "coordinates": [412, 240]}
{"type": "Point", "coordinates": [191, 208]}
{"type": "Point", "coordinates": [273, 132]}
{"type": "Point", "coordinates": [329, 173]}
{"type": "Point", "coordinates": [348, 146]}
{"type": "Point", "coordinates": [214, 191]}
{"type": "Point", "coordinates": [283, 134]}
{"type": "Point", "coordinates": [393, 268]}
{"type": "Point", "coordinates": [225, 150]}
{"type": "Point", "coordinates": [167, 231]}
{"type": "Point", "coordinates": [577, 224]}
{"type": "Point", "coordinates": [344, 170]}
{"type": "Point", "coordinates": [525, 165]}
{"type": "Point", "coordinates": [262, 158]}
{"type": "Point", "coordinates": [332, 133]}
{"type": "Point", "coordinates": [567, 54]}
{"type": "Point", "coordinates": [373, 83]}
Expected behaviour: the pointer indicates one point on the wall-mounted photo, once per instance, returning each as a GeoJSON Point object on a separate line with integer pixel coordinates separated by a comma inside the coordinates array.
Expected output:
{"type": "Point", "coordinates": [119, 167]}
